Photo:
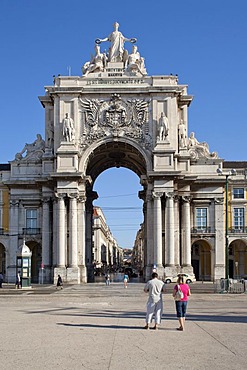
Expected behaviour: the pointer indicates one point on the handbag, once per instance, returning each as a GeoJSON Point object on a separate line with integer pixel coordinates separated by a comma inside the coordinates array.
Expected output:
{"type": "Point", "coordinates": [179, 294]}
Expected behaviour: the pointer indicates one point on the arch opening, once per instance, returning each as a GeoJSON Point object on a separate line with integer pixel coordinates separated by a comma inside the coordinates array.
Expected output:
{"type": "Point", "coordinates": [115, 169]}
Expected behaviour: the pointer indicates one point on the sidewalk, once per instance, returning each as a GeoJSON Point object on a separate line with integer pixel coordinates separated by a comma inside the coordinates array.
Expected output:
{"type": "Point", "coordinates": [97, 327]}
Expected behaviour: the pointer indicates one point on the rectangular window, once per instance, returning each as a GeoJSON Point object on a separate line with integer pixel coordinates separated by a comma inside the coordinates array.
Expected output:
{"type": "Point", "coordinates": [201, 218]}
{"type": "Point", "coordinates": [238, 218]}
{"type": "Point", "coordinates": [238, 193]}
{"type": "Point", "coordinates": [31, 218]}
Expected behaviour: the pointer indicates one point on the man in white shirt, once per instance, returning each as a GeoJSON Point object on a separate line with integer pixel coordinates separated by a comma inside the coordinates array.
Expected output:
{"type": "Point", "coordinates": [154, 288]}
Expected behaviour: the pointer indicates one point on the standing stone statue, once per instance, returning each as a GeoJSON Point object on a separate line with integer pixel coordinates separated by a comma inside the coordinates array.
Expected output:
{"type": "Point", "coordinates": [182, 135]}
{"type": "Point", "coordinates": [68, 128]}
{"type": "Point", "coordinates": [117, 41]}
{"type": "Point", "coordinates": [163, 127]}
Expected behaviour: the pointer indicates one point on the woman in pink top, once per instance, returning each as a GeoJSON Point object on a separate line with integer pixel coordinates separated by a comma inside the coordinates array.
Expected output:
{"type": "Point", "coordinates": [181, 306]}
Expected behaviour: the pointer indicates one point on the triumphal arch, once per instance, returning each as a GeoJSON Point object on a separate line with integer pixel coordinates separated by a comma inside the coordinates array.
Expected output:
{"type": "Point", "coordinates": [116, 115]}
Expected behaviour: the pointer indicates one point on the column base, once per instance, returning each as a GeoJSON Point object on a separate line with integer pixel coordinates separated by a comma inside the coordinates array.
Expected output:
{"type": "Point", "coordinates": [83, 274]}
{"type": "Point", "coordinates": [73, 275]}
{"type": "Point", "coordinates": [219, 271]}
{"type": "Point", "coordinates": [171, 271]}
{"type": "Point", "coordinates": [148, 270]}
{"type": "Point", "coordinates": [60, 270]}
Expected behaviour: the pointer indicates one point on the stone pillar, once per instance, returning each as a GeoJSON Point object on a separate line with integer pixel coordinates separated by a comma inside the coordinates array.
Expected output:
{"type": "Point", "coordinates": [13, 240]}
{"type": "Point", "coordinates": [55, 235]}
{"type": "Point", "coordinates": [82, 239]}
{"type": "Point", "coordinates": [176, 232]}
{"type": "Point", "coordinates": [219, 247]}
{"type": "Point", "coordinates": [186, 235]}
{"type": "Point", "coordinates": [61, 233]}
{"type": "Point", "coordinates": [157, 217]}
{"type": "Point", "coordinates": [73, 250]}
{"type": "Point", "coordinates": [73, 270]}
{"type": "Point", "coordinates": [169, 229]}
{"type": "Point", "coordinates": [46, 242]}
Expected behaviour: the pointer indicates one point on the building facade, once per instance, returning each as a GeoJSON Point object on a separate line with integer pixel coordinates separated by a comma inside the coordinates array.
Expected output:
{"type": "Point", "coordinates": [116, 115]}
{"type": "Point", "coordinates": [107, 255]}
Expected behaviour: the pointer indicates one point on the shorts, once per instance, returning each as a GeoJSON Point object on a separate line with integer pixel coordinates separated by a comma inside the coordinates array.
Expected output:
{"type": "Point", "coordinates": [181, 307]}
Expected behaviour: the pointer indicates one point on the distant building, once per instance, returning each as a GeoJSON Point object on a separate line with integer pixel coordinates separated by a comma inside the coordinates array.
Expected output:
{"type": "Point", "coordinates": [106, 252]}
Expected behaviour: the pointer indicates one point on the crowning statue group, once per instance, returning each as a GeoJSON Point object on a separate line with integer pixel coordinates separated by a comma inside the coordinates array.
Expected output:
{"type": "Point", "coordinates": [155, 288]}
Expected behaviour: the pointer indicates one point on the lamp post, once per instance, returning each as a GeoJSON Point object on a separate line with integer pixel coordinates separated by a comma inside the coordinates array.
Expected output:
{"type": "Point", "coordinates": [226, 174]}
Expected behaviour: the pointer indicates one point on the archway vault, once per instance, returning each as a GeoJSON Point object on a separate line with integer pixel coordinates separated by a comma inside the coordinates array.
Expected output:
{"type": "Point", "coordinates": [115, 154]}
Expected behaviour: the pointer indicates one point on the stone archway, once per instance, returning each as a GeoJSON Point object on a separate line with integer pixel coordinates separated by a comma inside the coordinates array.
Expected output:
{"type": "Point", "coordinates": [201, 258]}
{"type": "Point", "coordinates": [110, 154]}
{"type": "Point", "coordinates": [238, 258]}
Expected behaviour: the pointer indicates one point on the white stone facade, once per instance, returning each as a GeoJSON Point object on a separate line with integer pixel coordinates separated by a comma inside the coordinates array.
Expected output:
{"type": "Point", "coordinates": [116, 115]}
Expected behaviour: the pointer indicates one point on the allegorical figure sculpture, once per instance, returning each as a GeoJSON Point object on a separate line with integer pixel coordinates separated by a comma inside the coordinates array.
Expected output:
{"type": "Point", "coordinates": [34, 150]}
{"type": "Point", "coordinates": [199, 150]}
{"type": "Point", "coordinates": [117, 41]}
{"type": "Point", "coordinates": [97, 63]}
{"type": "Point", "coordinates": [68, 128]}
{"type": "Point", "coordinates": [135, 62]}
{"type": "Point", "coordinates": [163, 127]}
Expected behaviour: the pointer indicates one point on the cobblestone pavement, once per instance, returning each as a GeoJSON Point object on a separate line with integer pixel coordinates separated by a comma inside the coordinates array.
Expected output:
{"type": "Point", "coordinates": [97, 327]}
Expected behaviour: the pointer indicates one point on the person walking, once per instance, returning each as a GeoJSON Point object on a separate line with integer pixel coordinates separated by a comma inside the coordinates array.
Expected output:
{"type": "Point", "coordinates": [18, 280]}
{"type": "Point", "coordinates": [126, 279]}
{"type": "Point", "coordinates": [59, 282]}
{"type": "Point", "coordinates": [154, 288]}
{"type": "Point", "coordinates": [181, 305]}
{"type": "Point", "coordinates": [107, 279]}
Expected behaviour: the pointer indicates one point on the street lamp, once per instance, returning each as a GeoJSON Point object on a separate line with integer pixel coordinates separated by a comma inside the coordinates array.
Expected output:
{"type": "Point", "coordinates": [226, 174]}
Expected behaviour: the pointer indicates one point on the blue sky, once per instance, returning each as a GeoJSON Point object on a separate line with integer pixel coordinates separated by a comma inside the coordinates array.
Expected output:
{"type": "Point", "coordinates": [204, 42]}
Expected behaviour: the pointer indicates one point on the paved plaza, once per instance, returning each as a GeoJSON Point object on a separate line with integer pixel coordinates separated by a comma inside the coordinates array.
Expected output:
{"type": "Point", "coordinates": [97, 327]}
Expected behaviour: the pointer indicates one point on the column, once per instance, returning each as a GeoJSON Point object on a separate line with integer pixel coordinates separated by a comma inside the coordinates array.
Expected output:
{"type": "Point", "coordinates": [157, 228]}
{"type": "Point", "coordinates": [61, 212]}
{"type": "Point", "coordinates": [186, 232]}
{"type": "Point", "coordinates": [219, 248]}
{"type": "Point", "coordinates": [176, 232]}
{"type": "Point", "coordinates": [169, 230]}
{"type": "Point", "coordinates": [73, 247]}
{"type": "Point", "coordinates": [46, 232]}
{"type": "Point", "coordinates": [82, 238]}
{"type": "Point", "coordinates": [13, 240]}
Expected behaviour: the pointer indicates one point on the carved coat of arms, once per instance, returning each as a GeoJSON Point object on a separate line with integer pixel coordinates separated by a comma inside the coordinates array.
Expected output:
{"type": "Point", "coordinates": [114, 117]}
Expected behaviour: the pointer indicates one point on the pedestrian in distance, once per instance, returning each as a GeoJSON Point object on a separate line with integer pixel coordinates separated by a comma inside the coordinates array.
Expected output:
{"type": "Point", "coordinates": [1, 280]}
{"type": "Point", "coordinates": [59, 282]}
{"type": "Point", "coordinates": [18, 280]}
{"type": "Point", "coordinates": [107, 279]}
{"type": "Point", "coordinates": [126, 279]}
{"type": "Point", "coordinates": [154, 288]}
{"type": "Point", "coordinates": [181, 304]}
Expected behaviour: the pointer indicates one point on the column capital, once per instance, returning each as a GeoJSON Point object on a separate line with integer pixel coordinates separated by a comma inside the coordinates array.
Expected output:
{"type": "Point", "coordinates": [45, 200]}
{"type": "Point", "coordinates": [218, 200]}
{"type": "Point", "coordinates": [14, 203]}
{"type": "Point", "coordinates": [186, 199]}
{"type": "Point", "coordinates": [82, 198]}
{"type": "Point", "coordinates": [170, 195]}
{"type": "Point", "coordinates": [73, 195]}
{"type": "Point", "coordinates": [157, 194]}
{"type": "Point", "coordinates": [60, 195]}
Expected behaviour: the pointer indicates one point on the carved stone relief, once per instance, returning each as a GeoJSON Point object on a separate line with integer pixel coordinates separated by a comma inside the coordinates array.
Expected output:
{"type": "Point", "coordinates": [115, 117]}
